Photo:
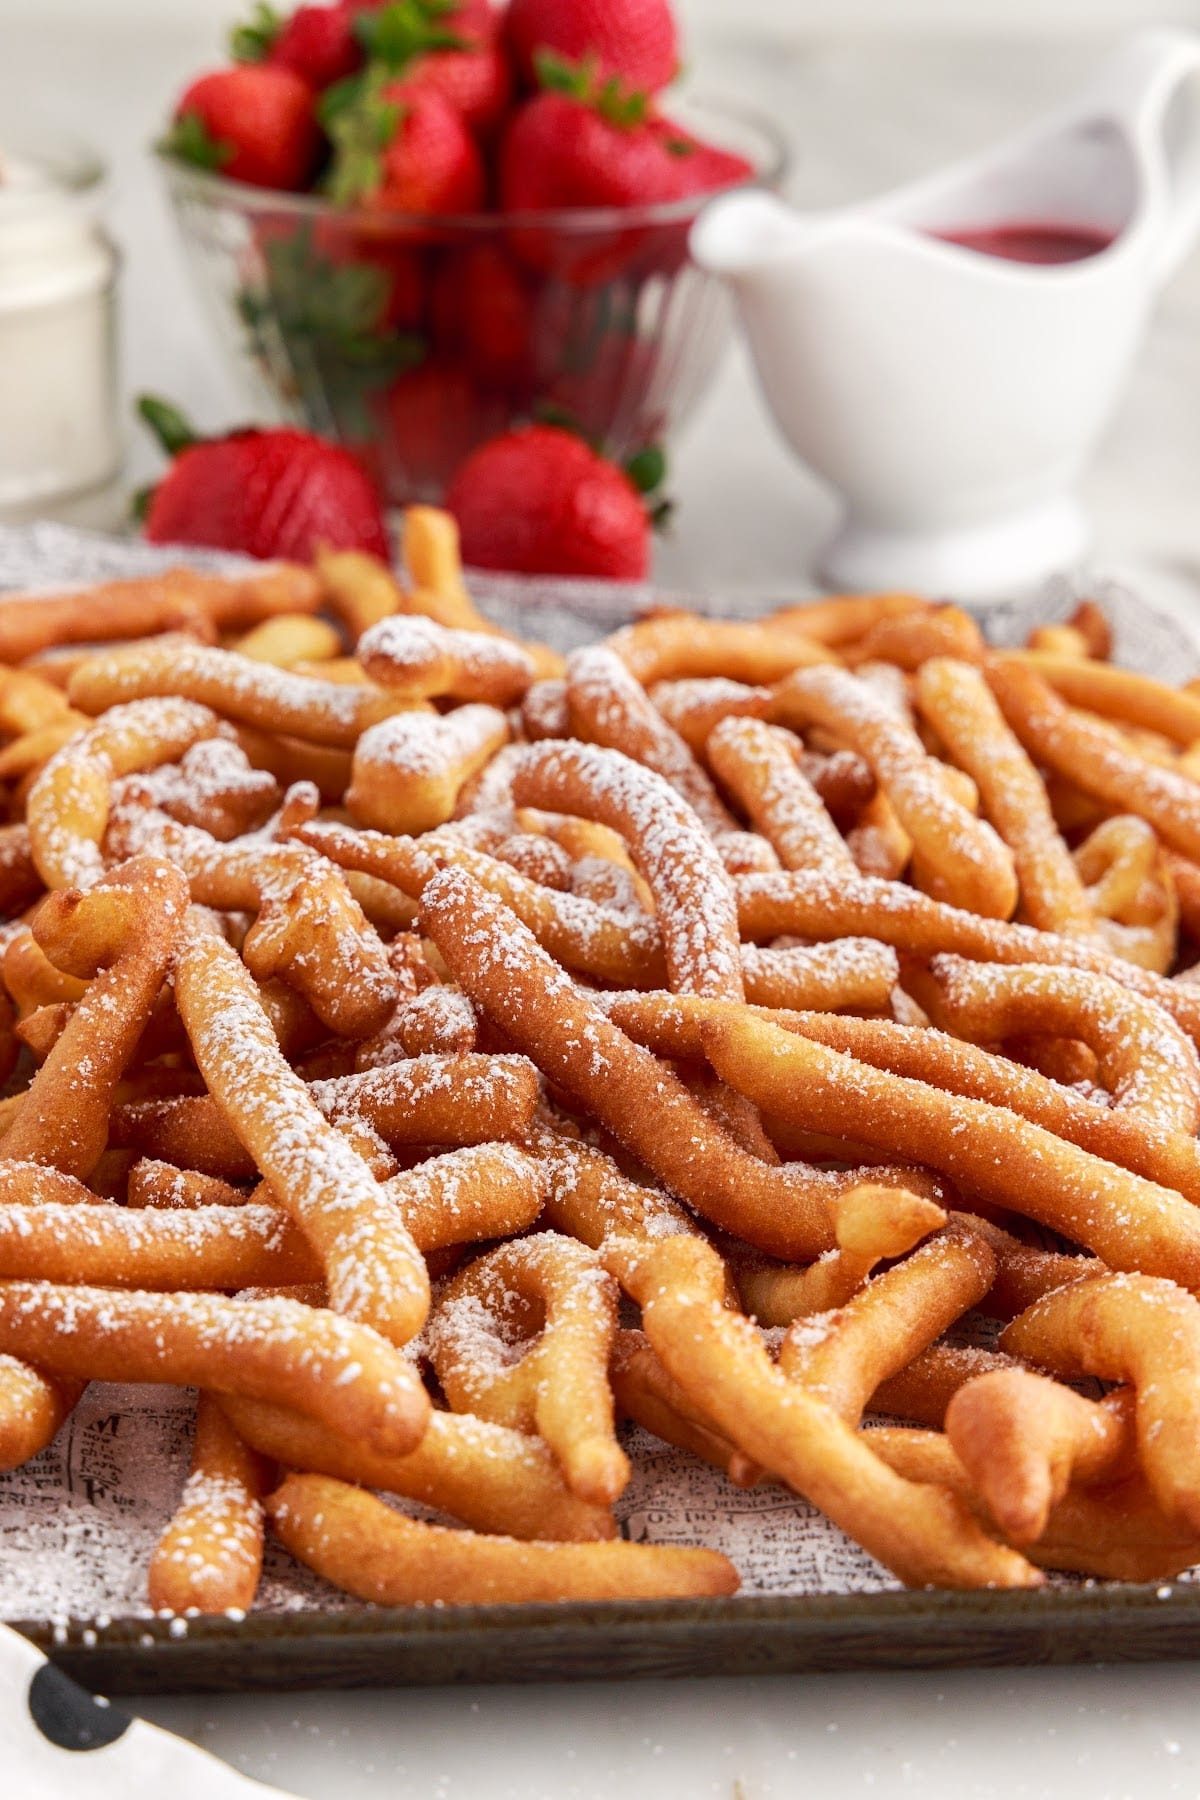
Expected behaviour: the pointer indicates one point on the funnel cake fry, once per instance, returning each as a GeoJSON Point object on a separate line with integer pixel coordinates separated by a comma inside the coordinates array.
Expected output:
{"type": "Point", "coordinates": [209, 1558]}
{"type": "Point", "coordinates": [1131, 1222]}
{"type": "Point", "coordinates": [968, 864]}
{"type": "Point", "coordinates": [522, 1336]}
{"type": "Point", "coordinates": [360, 1544]}
{"type": "Point", "coordinates": [342, 1374]}
{"type": "Point", "coordinates": [920, 1532]}
{"type": "Point", "coordinates": [784, 1211]}
{"type": "Point", "coordinates": [373, 1268]}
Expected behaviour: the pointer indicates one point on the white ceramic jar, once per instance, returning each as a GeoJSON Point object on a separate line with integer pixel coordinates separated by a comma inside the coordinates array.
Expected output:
{"type": "Point", "coordinates": [58, 385]}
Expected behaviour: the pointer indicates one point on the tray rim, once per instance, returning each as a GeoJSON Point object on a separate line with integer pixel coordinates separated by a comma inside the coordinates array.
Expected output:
{"type": "Point", "coordinates": [369, 1646]}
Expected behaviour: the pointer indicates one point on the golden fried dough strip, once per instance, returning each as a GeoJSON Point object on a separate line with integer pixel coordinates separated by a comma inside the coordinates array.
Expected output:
{"type": "Point", "coordinates": [235, 687]}
{"type": "Point", "coordinates": [424, 1100]}
{"type": "Point", "coordinates": [309, 930]}
{"type": "Point", "coordinates": [149, 604]}
{"type": "Point", "coordinates": [1023, 1440]}
{"type": "Point", "coordinates": [814, 905]}
{"type": "Point", "coordinates": [209, 1558]}
{"type": "Point", "coordinates": [921, 1533]}
{"type": "Point", "coordinates": [1119, 694]}
{"type": "Point", "coordinates": [618, 947]}
{"type": "Point", "coordinates": [695, 706]}
{"type": "Point", "coordinates": [1131, 891]}
{"type": "Point", "coordinates": [153, 1183]}
{"type": "Point", "coordinates": [956, 700]}
{"type": "Point", "coordinates": [358, 589]}
{"type": "Point", "coordinates": [410, 770]}
{"type": "Point", "coordinates": [32, 1407]}
{"type": "Point", "coordinates": [644, 1392]}
{"type": "Point", "coordinates": [784, 1211]}
{"type": "Point", "coordinates": [126, 927]}
{"type": "Point", "coordinates": [871, 1224]}
{"type": "Point", "coordinates": [490, 1477]}
{"type": "Point", "coordinates": [675, 645]}
{"type": "Point", "coordinates": [333, 1370]}
{"type": "Point", "coordinates": [70, 800]}
{"type": "Point", "coordinates": [907, 640]}
{"type": "Point", "coordinates": [1119, 1532]}
{"type": "Point", "coordinates": [522, 1336]}
{"type": "Point", "coordinates": [842, 1357]}
{"type": "Point", "coordinates": [844, 617]}
{"type": "Point", "coordinates": [967, 863]}
{"type": "Point", "coordinates": [420, 659]}
{"type": "Point", "coordinates": [590, 1199]}
{"type": "Point", "coordinates": [853, 972]}
{"type": "Point", "coordinates": [290, 638]}
{"type": "Point", "coordinates": [19, 879]}
{"type": "Point", "coordinates": [693, 896]}
{"type": "Point", "coordinates": [1129, 1221]}
{"type": "Point", "coordinates": [362, 1545]}
{"type": "Point", "coordinates": [1073, 745]}
{"type": "Point", "coordinates": [758, 764]}
{"type": "Point", "coordinates": [1146, 1062]}
{"type": "Point", "coordinates": [373, 1268]}
{"type": "Point", "coordinates": [1130, 1328]}
{"type": "Point", "coordinates": [923, 1391]}
{"type": "Point", "coordinates": [607, 706]}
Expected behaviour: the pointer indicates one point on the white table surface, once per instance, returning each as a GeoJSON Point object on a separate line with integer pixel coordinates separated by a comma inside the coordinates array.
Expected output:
{"type": "Point", "coordinates": [861, 114]}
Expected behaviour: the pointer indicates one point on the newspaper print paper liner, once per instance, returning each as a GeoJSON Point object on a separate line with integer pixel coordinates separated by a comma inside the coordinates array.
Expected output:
{"type": "Point", "coordinates": [79, 1523]}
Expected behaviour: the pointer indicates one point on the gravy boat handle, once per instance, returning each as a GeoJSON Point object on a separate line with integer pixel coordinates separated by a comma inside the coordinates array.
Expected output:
{"type": "Point", "coordinates": [1151, 87]}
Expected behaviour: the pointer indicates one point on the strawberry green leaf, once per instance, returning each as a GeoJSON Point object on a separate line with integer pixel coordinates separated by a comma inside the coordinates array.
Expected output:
{"type": "Point", "coordinates": [398, 33]}
{"type": "Point", "coordinates": [559, 75]}
{"type": "Point", "coordinates": [360, 130]}
{"type": "Point", "coordinates": [140, 502]}
{"type": "Point", "coordinates": [318, 327]}
{"type": "Point", "coordinates": [340, 98]}
{"type": "Point", "coordinates": [173, 430]}
{"type": "Point", "coordinates": [647, 469]}
{"type": "Point", "coordinates": [622, 106]}
{"type": "Point", "coordinates": [189, 140]}
{"type": "Point", "coordinates": [252, 42]}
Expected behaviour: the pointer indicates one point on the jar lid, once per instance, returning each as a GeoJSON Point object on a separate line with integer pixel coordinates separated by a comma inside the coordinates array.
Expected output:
{"type": "Point", "coordinates": [51, 246]}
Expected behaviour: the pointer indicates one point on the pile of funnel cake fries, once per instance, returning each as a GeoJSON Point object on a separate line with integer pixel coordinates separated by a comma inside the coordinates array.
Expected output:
{"type": "Point", "coordinates": [438, 1052]}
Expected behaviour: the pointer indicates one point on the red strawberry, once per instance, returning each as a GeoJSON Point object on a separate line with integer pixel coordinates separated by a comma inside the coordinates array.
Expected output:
{"type": "Point", "coordinates": [426, 423]}
{"type": "Point", "coordinates": [633, 39]}
{"type": "Point", "coordinates": [476, 83]}
{"type": "Point", "coordinates": [539, 501]}
{"type": "Point", "coordinates": [561, 151]}
{"type": "Point", "coordinates": [404, 152]}
{"type": "Point", "coordinates": [269, 493]}
{"type": "Point", "coordinates": [317, 42]}
{"type": "Point", "coordinates": [436, 47]}
{"type": "Point", "coordinates": [253, 122]}
{"type": "Point", "coordinates": [701, 168]}
{"type": "Point", "coordinates": [482, 312]}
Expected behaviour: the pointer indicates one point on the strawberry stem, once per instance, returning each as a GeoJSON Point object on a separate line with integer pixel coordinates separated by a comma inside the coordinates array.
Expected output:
{"type": "Point", "coordinates": [397, 34]}
{"type": "Point", "coordinates": [253, 42]}
{"type": "Point", "coordinates": [620, 105]}
{"type": "Point", "coordinates": [173, 430]}
{"type": "Point", "coordinates": [189, 140]}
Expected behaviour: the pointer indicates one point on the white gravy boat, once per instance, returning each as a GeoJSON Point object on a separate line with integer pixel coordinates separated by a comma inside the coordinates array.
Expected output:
{"type": "Point", "coordinates": [954, 397]}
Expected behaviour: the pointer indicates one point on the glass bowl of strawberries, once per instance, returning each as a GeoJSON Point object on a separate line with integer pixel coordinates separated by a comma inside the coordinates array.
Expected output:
{"type": "Point", "coordinates": [420, 223]}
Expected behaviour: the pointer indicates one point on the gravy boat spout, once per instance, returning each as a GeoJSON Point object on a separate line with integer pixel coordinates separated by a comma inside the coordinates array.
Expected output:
{"type": "Point", "coordinates": [947, 355]}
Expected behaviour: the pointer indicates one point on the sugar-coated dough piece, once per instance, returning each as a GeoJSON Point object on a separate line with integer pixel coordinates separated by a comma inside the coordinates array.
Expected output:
{"type": "Point", "coordinates": [408, 771]}
{"type": "Point", "coordinates": [362, 1545]}
{"type": "Point", "coordinates": [315, 1362]}
{"type": "Point", "coordinates": [209, 1558]}
{"type": "Point", "coordinates": [523, 1336]}
{"type": "Point", "coordinates": [693, 897]}
{"type": "Point", "coordinates": [374, 1270]}
{"type": "Point", "coordinates": [419, 659]}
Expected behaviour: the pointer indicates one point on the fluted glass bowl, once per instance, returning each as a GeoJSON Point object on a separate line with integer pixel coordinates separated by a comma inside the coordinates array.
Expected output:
{"type": "Point", "coordinates": [412, 339]}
